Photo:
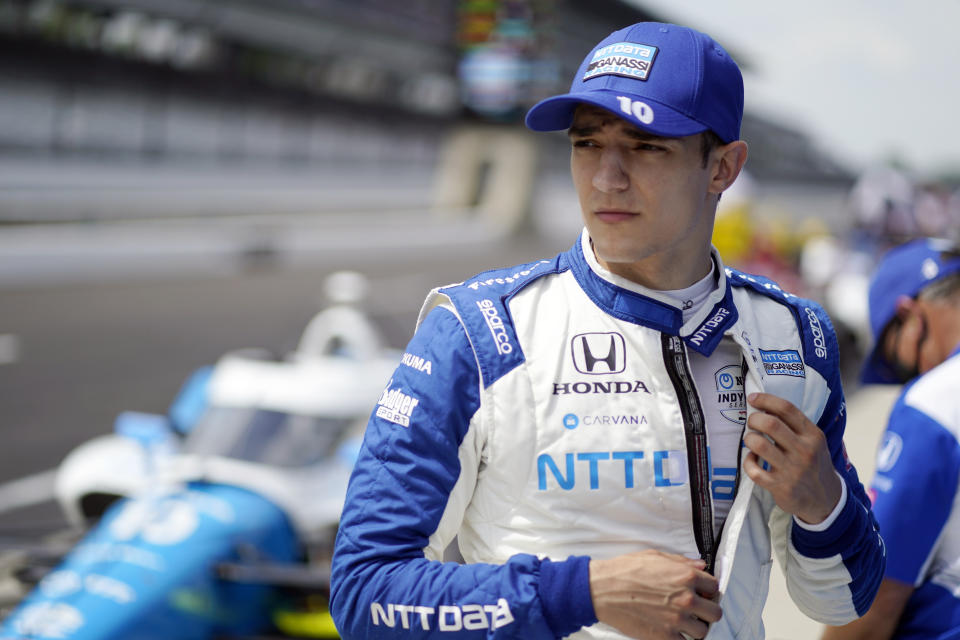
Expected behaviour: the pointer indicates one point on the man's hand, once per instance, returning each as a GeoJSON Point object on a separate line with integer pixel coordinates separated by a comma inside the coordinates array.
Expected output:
{"type": "Point", "coordinates": [800, 473]}
{"type": "Point", "coordinates": [652, 595]}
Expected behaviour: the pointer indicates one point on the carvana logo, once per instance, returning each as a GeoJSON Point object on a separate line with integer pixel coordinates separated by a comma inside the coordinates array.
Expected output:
{"type": "Point", "coordinates": [570, 421]}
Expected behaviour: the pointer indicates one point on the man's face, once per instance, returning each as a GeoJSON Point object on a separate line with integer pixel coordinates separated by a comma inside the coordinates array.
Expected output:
{"type": "Point", "coordinates": [921, 335]}
{"type": "Point", "coordinates": [641, 196]}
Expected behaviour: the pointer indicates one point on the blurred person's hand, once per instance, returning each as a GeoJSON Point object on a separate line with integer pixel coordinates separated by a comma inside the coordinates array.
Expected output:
{"type": "Point", "coordinates": [903, 342]}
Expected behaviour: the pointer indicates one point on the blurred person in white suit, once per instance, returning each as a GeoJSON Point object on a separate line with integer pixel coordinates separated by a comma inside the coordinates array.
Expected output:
{"type": "Point", "coordinates": [914, 303]}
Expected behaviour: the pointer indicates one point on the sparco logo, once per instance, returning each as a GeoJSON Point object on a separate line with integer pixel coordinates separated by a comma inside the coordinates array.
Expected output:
{"type": "Point", "coordinates": [495, 324]}
{"type": "Point", "coordinates": [618, 386]}
{"type": "Point", "coordinates": [443, 618]}
{"type": "Point", "coordinates": [708, 327]}
{"type": "Point", "coordinates": [599, 353]}
{"type": "Point", "coordinates": [818, 340]}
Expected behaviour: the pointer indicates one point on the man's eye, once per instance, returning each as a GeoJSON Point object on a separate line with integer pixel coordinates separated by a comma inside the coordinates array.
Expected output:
{"type": "Point", "coordinates": [648, 147]}
{"type": "Point", "coordinates": [584, 143]}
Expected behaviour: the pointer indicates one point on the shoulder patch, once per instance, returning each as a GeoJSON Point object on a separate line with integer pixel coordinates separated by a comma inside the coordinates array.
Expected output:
{"type": "Point", "coordinates": [785, 362]}
{"type": "Point", "coordinates": [481, 303]}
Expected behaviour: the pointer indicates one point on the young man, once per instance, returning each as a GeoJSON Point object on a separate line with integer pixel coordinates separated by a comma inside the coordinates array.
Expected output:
{"type": "Point", "coordinates": [915, 316]}
{"type": "Point", "coordinates": [578, 423]}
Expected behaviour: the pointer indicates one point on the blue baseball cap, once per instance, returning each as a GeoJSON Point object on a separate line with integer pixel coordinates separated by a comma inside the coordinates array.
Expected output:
{"type": "Point", "coordinates": [904, 271]}
{"type": "Point", "coordinates": [666, 79]}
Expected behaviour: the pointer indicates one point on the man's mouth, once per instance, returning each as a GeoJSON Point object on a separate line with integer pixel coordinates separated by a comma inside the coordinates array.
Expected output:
{"type": "Point", "coordinates": [613, 215]}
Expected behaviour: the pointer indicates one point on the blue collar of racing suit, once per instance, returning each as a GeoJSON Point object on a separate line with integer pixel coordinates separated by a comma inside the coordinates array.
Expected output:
{"type": "Point", "coordinates": [702, 332]}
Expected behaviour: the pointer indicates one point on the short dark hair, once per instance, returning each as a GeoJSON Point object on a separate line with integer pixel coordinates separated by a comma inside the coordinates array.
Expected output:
{"type": "Point", "coordinates": [945, 288]}
{"type": "Point", "coordinates": [708, 142]}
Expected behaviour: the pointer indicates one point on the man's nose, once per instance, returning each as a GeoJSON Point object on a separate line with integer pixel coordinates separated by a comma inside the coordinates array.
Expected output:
{"type": "Point", "coordinates": [611, 175]}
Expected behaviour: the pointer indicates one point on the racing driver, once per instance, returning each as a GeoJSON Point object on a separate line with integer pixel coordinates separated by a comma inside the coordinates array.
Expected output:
{"type": "Point", "coordinates": [621, 436]}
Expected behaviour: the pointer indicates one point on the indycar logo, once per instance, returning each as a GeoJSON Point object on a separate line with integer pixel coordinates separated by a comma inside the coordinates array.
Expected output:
{"type": "Point", "coordinates": [729, 381]}
{"type": "Point", "coordinates": [599, 353]}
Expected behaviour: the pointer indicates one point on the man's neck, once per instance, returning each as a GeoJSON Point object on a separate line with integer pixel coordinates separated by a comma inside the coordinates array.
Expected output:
{"type": "Point", "coordinates": [661, 275]}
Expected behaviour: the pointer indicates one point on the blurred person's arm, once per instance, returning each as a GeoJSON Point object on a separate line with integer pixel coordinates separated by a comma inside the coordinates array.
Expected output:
{"type": "Point", "coordinates": [881, 620]}
{"type": "Point", "coordinates": [909, 480]}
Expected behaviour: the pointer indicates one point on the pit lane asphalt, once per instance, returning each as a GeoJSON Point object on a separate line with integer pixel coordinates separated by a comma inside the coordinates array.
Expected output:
{"type": "Point", "coordinates": [98, 345]}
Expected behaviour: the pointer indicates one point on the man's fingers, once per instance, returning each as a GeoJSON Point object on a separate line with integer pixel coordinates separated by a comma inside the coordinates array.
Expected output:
{"type": "Point", "coordinates": [789, 414]}
{"type": "Point", "coordinates": [753, 469]}
{"type": "Point", "coordinates": [707, 610]}
{"type": "Point", "coordinates": [763, 449]}
{"type": "Point", "coordinates": [693, 627]}
{"type": "Point", "coordinates": [774, 428]}
{"type": "Point", "coordinates": [707, 585]}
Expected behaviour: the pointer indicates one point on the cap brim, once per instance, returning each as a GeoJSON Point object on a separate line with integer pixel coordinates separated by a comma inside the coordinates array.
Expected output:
{"type": "Point", "coordinates": [556, 113]}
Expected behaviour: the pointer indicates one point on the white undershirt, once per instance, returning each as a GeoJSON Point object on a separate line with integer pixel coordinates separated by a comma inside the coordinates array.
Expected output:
{"type": "Point", "coordinates": [692, 298]}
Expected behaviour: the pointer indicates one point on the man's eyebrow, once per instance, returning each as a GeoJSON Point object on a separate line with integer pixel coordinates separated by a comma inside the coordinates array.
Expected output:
{"type": "Point", "coordinates": [636, 134]}
{"type": "Point", "coordinates": [581, 132]}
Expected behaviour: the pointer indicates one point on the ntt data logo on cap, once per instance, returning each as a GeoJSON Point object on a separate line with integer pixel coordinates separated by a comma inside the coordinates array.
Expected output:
{"type": "Point", "coordinates": [622, 59]}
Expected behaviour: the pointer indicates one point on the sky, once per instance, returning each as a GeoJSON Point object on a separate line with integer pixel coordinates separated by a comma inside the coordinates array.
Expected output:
{"type": "Point", "coordinates": [866, 80]}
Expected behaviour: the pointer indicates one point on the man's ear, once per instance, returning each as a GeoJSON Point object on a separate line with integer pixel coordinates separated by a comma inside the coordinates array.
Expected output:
{"type": "Point", "coordinates": [728, 161]}
{"type": "Point", "coordinates": [904, 304]}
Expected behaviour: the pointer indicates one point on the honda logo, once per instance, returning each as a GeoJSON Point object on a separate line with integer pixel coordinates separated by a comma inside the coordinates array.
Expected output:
{"type": "Point", "coordinates": [599, 353]}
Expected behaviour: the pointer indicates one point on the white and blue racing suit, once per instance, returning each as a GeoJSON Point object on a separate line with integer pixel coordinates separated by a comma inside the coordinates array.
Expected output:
{"type": "Point", "coordinates": [917, 502]}
{"type": "Point", "coordinates": [545, 415]}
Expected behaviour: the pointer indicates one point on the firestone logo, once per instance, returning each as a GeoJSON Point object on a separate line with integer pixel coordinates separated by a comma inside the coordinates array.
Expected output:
{"type": "Point", "coordinates": [489, 282]}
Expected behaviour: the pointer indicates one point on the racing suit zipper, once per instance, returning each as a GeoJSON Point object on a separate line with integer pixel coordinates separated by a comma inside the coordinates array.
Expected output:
{"type": "Point", "coordinates": [694, 427]}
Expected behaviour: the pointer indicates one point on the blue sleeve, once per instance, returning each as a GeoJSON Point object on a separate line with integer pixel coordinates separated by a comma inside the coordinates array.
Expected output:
{"type": "Point", "coordinates": [382, 584]}
{"type": "Point", "coordinates": [917, 473]}
{"type": "Point", "coordinates": [854, 536]}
